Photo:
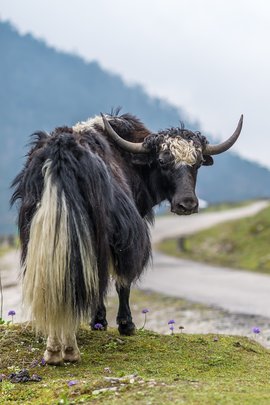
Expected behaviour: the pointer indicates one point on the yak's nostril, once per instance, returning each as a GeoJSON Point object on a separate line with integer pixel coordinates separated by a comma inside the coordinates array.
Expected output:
{"type": "Point", "coordinates": [185, 206]}
{"type": "Point", "coordinates": [188, 205]}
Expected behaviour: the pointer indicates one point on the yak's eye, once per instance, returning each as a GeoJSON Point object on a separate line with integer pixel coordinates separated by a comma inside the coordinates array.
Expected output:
{"type": "Point", "coordinates": [165, 159]}
{"type": "Point", "coordinates": [161, 161]}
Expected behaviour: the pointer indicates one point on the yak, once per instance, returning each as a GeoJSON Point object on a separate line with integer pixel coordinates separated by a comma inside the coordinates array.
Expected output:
{"type": "Point", "coordinates": [85, 196]}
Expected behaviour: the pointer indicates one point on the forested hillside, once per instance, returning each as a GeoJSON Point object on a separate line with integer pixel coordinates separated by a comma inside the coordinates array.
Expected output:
{"type": "Point", "coordinates": [41, 88]}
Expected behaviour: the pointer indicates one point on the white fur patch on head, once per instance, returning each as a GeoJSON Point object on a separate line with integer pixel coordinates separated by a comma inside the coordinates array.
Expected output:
{"type": "Point", "coordinates": [184, 152]}
{"type": "Point", "coordinates": [89, 124]}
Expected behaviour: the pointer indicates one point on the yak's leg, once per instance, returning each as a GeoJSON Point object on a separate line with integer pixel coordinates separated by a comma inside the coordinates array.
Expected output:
{"type": "Point", "coordinates": [99, 316]}
{"type": "Point", "coordinates": [70, 350]}
{"type": "Point", "coordinates": [124, 318]}
{"type": "Point", "coordinates": [53, 353]}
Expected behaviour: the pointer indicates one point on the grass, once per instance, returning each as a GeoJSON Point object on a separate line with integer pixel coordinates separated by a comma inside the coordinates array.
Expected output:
{"type": "Point", "coordinates": [242, 244]}
{"type": "Point", "coordinates": [189, 369]}
{"type": "Point", "coordinates": [226, 206]}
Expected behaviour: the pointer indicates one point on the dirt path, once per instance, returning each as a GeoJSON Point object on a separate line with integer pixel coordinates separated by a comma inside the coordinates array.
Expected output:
{"type": "Point", "coordinates": [173, 225]}
{"type": "Point", "coordinates": [232, 290]}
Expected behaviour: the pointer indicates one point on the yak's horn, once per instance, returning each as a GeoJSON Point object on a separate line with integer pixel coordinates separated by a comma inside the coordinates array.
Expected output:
{"type": "Point", "coordinates": [222, 147]}
{"type": "Point", "coordinates": [126, 145]}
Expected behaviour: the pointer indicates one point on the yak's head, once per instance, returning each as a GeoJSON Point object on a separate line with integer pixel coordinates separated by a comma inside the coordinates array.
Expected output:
{"type": "Point", "coordinates": [177, 154]}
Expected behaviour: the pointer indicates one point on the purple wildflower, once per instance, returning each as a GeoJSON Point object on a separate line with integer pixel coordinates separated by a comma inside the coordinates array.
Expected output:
{"type": "Point", "coordinates": [171, 322]}
{"type": "Point", "coordinates": [11, 313]}
{"type": "Point", "coordinates": [98, 326]}
{"type": "Point", "coordinates": [72, 382]}
{"type": "Point", "coordinates": [172, 329]}
{"type": "Point", "coordinates": [43, 362]}
{"type": "Point", "coordinates": [144, 311]}
{"type": "Point", "coordinates": [256, 330]}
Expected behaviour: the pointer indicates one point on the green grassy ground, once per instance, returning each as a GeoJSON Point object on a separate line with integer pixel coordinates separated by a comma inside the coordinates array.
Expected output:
{"type": "Point", "coordinates": [179, 369]}
{"type": "Point", "coordinates": [243, 244]}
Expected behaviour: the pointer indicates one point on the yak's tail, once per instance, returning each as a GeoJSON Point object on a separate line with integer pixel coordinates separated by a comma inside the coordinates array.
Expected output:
{"type": "Point", "coordinates": [60, 284]}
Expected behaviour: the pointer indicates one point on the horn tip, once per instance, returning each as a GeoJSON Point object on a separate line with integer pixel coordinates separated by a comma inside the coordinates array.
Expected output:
{"type": "Point", "coordinates": [241, 120]}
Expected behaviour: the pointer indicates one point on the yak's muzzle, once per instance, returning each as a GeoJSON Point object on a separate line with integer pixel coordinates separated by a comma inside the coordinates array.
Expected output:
{"type": "Point", "coordinates": [185, 206]}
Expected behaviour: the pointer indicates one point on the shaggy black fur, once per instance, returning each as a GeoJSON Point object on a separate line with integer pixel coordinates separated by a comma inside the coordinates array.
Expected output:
{"type": "Point", "coordinates": [111, 194]}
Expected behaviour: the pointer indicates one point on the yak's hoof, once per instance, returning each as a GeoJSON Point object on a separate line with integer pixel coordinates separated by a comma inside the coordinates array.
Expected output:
{"type": "Point", "coordinates": [71, 355]}
{"type": "Point", "coordinates": [126, 328]}
{"type": "Point", "coordinates": [53, 357]}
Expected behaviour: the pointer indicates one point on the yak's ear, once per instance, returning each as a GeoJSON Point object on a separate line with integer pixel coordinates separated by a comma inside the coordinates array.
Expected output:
{"type": "Point", "coordinates": [208, 160]}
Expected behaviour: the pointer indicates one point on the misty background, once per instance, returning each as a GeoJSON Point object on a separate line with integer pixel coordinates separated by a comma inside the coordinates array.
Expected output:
{"type": "Point", "coordinates": [203, 63]}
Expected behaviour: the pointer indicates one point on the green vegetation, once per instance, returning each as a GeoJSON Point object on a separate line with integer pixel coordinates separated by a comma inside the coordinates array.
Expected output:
{"type": "Point", "coordinates": [226, 206]}
{"type": "Point", "coordinates": [154, 369]}
{"type": "Point", "coordinates": [242, 244]}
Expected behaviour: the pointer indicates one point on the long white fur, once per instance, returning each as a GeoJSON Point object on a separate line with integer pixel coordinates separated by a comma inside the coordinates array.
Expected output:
{"type": "Point", "coordinates": [45, 290]}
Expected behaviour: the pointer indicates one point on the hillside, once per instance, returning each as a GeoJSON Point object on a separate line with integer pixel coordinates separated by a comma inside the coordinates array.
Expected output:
{"type": "Point", "coordinates": [240, 244]}
{"type": "Point", "coordinates": [41, 88]}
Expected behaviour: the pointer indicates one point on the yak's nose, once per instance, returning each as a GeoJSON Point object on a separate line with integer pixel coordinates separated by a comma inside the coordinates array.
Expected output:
{"type": "Point", "coordinates": [185, 206]}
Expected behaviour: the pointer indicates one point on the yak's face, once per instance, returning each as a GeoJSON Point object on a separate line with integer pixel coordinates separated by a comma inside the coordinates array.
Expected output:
{"type": "Point", "coordinates": [175, 155]}
{"type": "Point", "coordinates": [179, 158]}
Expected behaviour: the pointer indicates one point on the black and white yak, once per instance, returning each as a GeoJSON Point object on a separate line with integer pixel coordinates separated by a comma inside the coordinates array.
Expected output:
{"type": "Point", "coordinates": [86, 197]}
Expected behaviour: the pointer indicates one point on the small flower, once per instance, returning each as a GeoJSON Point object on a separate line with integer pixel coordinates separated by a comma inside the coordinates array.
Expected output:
{"type": "Point", "coordinates": [43, 362]}
{"type": "Point", "coordinates": [171, 329]}
{"type": "Point", "coordinates": [98, 326]}
{"type": "Point", "coordinates": [72, 382]}
{"type": "Point", "coordinates": [144, 311]}
{"type": "Point", "coordinates": [11, 313]}
{"type": "Point", "coordinates": [256, 330]}
{"type": "Point", "coordinates": [171, 322]}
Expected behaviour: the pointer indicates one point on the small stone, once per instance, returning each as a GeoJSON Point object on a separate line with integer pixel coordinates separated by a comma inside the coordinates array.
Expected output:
{"type": "Point", "coordinates": [36, 378]}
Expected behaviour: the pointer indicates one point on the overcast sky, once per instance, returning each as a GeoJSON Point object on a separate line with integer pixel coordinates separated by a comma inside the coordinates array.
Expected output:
{"type": "Point", "coordinates": [211, 57]}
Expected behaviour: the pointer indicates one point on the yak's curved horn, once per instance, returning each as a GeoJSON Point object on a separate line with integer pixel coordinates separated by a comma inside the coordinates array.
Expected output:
{"type": "Point", "coordinates": [126, 145]}
{"type": "Point", "coordinates": [222, 147]}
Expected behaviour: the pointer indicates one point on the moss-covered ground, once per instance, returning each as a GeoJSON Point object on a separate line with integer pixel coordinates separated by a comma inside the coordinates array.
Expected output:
{"type": "Point", "coordinates": [151, 369]}
{"type": "Point", "coordinates": [242, 244]}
